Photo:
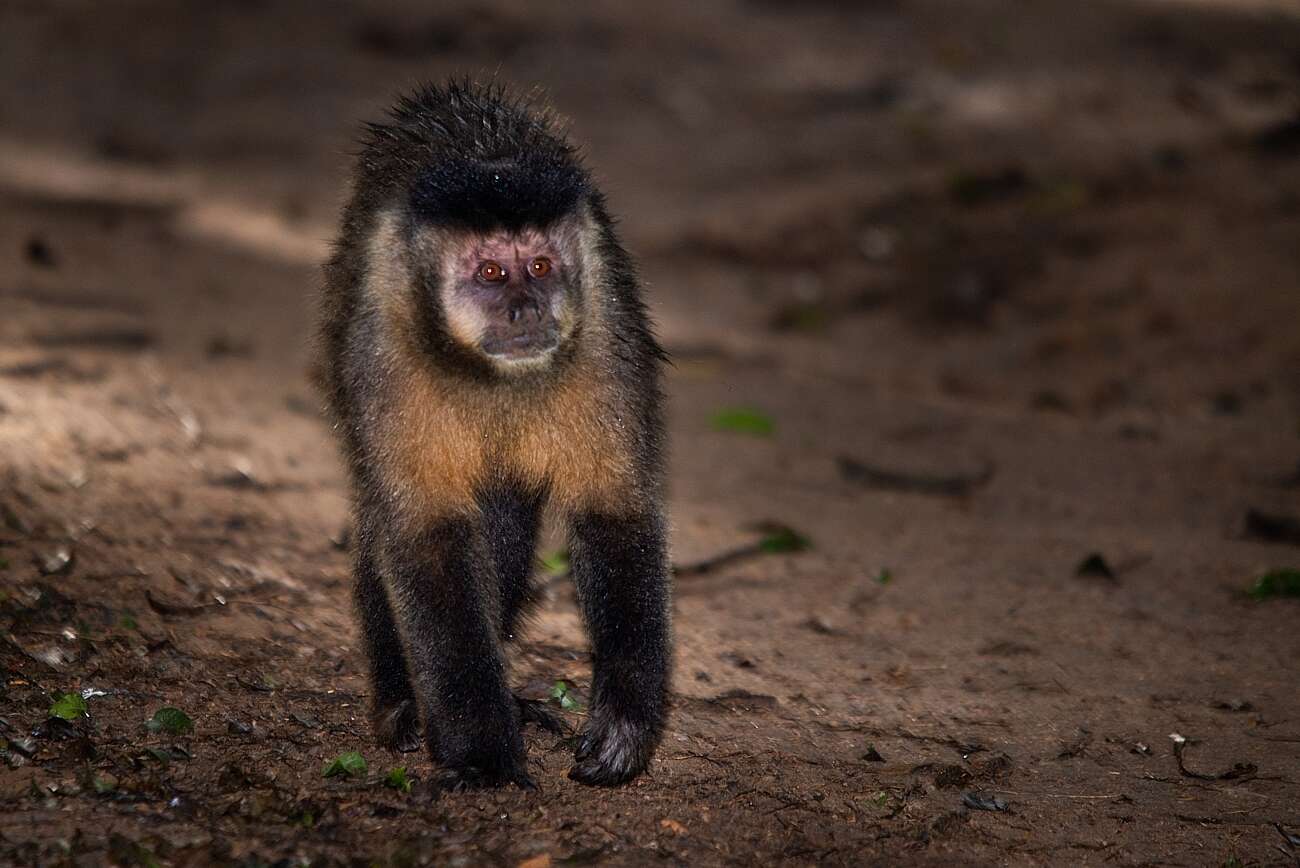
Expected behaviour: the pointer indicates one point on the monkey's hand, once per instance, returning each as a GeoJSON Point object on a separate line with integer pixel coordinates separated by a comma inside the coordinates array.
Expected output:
{"type": "Point", "coordinates": [612, 750]}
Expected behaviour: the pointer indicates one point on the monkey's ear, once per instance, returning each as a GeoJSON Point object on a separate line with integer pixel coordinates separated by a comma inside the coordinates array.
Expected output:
{"type": "Point", "coordinates": [534, 189]}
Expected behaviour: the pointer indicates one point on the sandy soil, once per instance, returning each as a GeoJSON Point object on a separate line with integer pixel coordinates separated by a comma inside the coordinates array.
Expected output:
{"type": "Point", "coordinates": [1015, 284]}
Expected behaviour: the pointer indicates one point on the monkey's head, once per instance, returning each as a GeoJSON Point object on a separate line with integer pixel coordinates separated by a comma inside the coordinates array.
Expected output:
{"type": "Point", "coordinates": [494, 223]}
{"type": "Point", "coordinates": [511, 297]}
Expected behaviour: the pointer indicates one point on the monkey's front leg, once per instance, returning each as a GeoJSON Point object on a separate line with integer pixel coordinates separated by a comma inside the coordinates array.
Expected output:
{"type": "Point", "coordinates": [620, 565]}
{"type": "Point", "coordinates": [440, 582]}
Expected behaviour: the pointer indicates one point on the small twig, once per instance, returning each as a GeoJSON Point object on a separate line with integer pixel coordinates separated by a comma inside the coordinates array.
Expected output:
{"type": "Point", "coordinates": [955, 485]}
{"type": "Point", "coordinates": [1238, 771]}
{"type": "Point", "coordinates": [1061, 795]}
{"type": "Point", "coordinates": [714, 562]}
{"type": "Point", "coordinates": [701, 756]}
{"type": "Point", "coordinates": [702, 567]}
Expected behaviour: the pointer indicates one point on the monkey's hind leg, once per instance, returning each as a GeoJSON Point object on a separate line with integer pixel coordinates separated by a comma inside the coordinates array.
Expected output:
{"type": "Point", "coordinates": [620, 565]}
{"type": "Point", "coordinates": [395, 716]}
{"type": "Point", "coordinates": [441, 585]}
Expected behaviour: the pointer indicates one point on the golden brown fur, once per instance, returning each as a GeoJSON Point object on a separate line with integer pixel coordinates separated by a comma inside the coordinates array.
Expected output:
{"type": "Point", "coordinates": [448, 438]}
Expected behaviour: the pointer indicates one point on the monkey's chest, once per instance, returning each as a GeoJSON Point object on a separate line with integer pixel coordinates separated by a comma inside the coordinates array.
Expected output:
{"type": "Point", "coordinates": [569, 449]}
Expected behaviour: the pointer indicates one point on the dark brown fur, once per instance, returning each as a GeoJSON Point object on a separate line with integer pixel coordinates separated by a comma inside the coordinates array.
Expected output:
{"type": "Point", "coordinates": [453, 455]}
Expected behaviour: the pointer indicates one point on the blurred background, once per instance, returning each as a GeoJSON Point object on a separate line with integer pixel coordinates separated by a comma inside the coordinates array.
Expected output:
{"type": "Point", "coordinates": [985, 320]}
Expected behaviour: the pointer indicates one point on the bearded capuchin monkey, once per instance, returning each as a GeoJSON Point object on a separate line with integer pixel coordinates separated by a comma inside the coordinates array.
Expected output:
{"type": "Point", "coordinates": [486, 353]}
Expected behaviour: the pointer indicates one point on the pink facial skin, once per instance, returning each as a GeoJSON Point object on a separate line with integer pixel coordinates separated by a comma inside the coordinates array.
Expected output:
{"type": "Point", "coordinates": [510, 295]}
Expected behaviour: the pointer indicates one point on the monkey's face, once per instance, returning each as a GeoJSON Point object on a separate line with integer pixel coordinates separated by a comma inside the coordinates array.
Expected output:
{"type": "Point", "coordinates": [511, 296]}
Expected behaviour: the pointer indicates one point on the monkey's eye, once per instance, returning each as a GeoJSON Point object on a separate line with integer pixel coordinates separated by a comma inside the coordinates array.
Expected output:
{"type": "Point", "coordinates": [491, 272]}
{"type": "Point", "coordinates": [539, 267]}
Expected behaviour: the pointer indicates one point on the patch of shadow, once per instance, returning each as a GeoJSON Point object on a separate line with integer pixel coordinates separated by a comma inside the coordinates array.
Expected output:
{"type": "Point", "coordinates": [740, 700]}
{"type": "Point", "coordinates": [1272, 527]}
{"type": "Point", "coordinates": [878, 95]}
{"type": "Point", "coordinates": [1006, 648]}
{"type": "Point", "coordinates": [130, 340]}
{"type": "Point", "coordinates": [1280, 139]}
{"type": "Point", "coordinates": [943, 485]}
{"type": "Point", "coordinates": [943, 776]}
{"type": "Point", "coordinates": [469, 31]}
{"type": "Point", "coordinates": [972, 189]}
{"type": "Point", "coordinates": [72, 299]}
{"type": "Point", "coordinates": [222, 346]}
{"type": "Point", "coordinates": [815, 6]}
{"type": "Point", "coordinates": [942, 825]}
{"type": "Point", "coordinates": [57, 367]}
{"type": "Point", "coordinates": [131, 146]}
{"type": "Point", "coordinates": [105, 210]}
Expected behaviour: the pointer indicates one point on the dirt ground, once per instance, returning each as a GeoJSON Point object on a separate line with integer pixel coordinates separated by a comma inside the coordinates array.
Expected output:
{"type": "Point", "coordinates": [1013, 285]}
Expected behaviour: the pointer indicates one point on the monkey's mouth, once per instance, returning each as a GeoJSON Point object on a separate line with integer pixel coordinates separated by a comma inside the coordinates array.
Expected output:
{"type": "Point", "coordinates": [521, 346]}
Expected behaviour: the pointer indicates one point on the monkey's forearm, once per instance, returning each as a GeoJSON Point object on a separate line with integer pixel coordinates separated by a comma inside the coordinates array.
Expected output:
{"type": "Point", "coordinates": [620, 566]}
{"type": "Point", "coordinates": [394, 711]}
{"type": "Point", "coordinates": [443, 602]}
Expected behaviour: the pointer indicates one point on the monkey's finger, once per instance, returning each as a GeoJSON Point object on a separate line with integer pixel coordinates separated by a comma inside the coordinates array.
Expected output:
{"type": "Point", "coordinates": [588, 742]}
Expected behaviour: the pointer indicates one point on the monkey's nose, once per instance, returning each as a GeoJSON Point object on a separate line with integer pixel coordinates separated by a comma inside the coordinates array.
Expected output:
{"type": "Point", "coordinates": [524, 307]}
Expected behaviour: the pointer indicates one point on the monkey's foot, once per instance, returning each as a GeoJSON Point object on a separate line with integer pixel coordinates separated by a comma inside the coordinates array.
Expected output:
{"type": "Point", "coordinates": [397, 728]}
{"type": "Point", "coordinates": [535, 711]}
{"type": "Point", "coordinates": [469, 777]}
{"type": "Point", "coordinates": [613, 752]}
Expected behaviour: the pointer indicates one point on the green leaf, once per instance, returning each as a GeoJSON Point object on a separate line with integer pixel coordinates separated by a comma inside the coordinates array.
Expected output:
{"type": "Point", "coordinates": [557, 562]}
{"type": "Point", "coordinates": [1276, 583]}
{"type": "Point", "coordinates": [350, 764]}
{"type": "Point", "coordinates": [160, 754]}
{"type": "Point", "coordinates": [780, 539]}
{"type": "Point", "coordinates": [744, 420]}
{"type": "Point", "coordinates": [396, 779]}
{"type": "Point", "coordinates": [127, 621]}
{"type": "Point", "coordinates": [884, 577]}
{"type": "Point", "coordinates": [560, 693]}
{"type": "Point", "coordinates": [69, 706]}
{"type": "Point", "coordinates": [170, 720]}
